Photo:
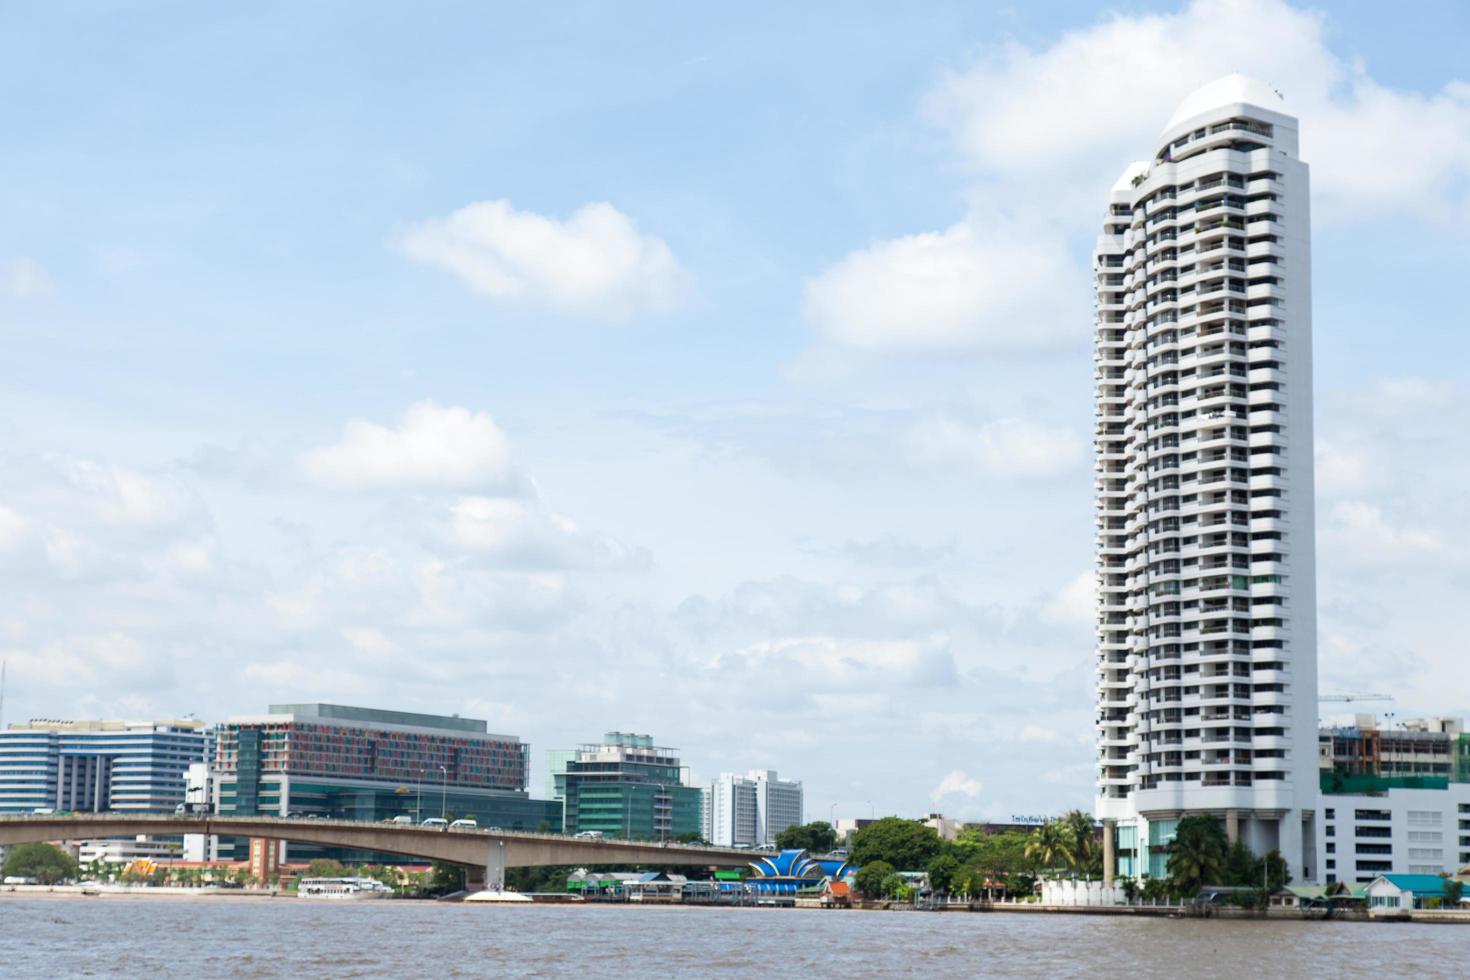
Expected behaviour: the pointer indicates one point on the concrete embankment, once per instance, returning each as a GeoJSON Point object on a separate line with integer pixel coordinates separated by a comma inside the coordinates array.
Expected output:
{"type": "Point", "coordinates": [140, 891]}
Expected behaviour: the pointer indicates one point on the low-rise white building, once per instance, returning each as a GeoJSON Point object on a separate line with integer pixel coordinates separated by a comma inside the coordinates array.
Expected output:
{"type": "Point", "coordinates": [1397, 831]}
{"type": "Point", "coordinates": [125, 850]}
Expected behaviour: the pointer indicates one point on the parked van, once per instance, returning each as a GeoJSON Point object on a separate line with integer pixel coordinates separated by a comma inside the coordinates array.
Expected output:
{"type": "Point", "coordinates": [465, 823]}
{"type": "Point", "coordinates": [435, 823]}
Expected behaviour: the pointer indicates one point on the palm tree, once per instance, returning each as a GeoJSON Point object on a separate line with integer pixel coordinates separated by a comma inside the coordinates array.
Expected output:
{"type": "Point", "coordinates": [1048, 845]}
{"type": "Point", "coordinates": [1197, 856]}
{"type": "Point", "coordinates": [1079, 839]}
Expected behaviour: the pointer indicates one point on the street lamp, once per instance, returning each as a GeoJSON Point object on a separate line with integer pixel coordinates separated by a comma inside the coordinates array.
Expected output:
{"type": "Point", "coordinates": [443, 790]}
{"type": "Point", "coordinates": [418, 796]}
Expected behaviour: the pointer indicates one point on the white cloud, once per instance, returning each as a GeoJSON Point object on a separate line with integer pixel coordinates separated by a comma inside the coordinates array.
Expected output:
{"type": "Point", "coordinates": [845, 664]}
{"type": "Point", "coordinates": [1040, 733]}
{"type": "Point", "coordinates": [527, 536]}
{"type": "Point", "coordinates": [1047, 129]}
{"type": "Point", "coordinates": [1075, 604]}
{"type": "Point", "coordinates": [956, 289]}
{"type": "Point", "coordinates": [1070, 108]}
{"type": "Point", "coordinates": [23, 278]}
{"type": "Point", "coordinates": [432, 448]}
{"type": "Point", "coordinates": [1410, 394]}
{"type": "Point", "coordinates": [1359, 531]}
{"type": "Point", "coordinates": [1342, 469]}
{"type": "Point", "coordinates": [596, 263]}
{"type": "Point", "coordinates": [13, 528]}
{"type": "Point", "coordinates": [957, 783]}
{"type": "Point", "coordinates": [1006, 448]}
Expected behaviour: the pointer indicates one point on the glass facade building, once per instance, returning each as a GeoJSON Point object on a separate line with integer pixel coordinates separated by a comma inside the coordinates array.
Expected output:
{"type": "Point", "coordinates": [351, 763]}
{"type": "Point", "coordinates": [98, 766]}
{"type": "Point", "coordinates": [627, 787]}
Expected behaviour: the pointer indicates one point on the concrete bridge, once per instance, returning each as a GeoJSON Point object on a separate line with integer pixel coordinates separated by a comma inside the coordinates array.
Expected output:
{"type": "Point", "coordinates": [486, 853]}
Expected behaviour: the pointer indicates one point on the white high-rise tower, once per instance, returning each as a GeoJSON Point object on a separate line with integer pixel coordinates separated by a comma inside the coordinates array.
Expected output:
{"type": "Point", "coordinates": [1206, 554]}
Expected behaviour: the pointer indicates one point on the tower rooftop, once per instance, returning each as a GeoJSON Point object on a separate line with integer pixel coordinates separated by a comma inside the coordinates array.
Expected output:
{"type": "Point", "coordinates": [1230, 90]}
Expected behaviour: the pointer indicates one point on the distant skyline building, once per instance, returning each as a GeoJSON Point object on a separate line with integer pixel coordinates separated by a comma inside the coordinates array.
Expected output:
{"type": "Point", "coordinates": [98, 766]}
{"type": "Point", "coordinates": [752, 809]}
{"type": "Point", "coordinates": [1206, 654]}
{"type": "Point", "coordinates": [371, 764]}
{"type": "Point", "coordinates": [625, 786]}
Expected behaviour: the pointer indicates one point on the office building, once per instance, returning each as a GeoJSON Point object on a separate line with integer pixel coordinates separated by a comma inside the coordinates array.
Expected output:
{"type": "Point", "coordinates": [752, 809]}
{"type": "Point", "coordinates": [626, 786]}
{"type": "Point", "coordinates": [1206, 652]}
{"type": "Point", "coordinates": [1387, 828]}
{"type": "Point", "coordinates": [98, 766]}
{"type": "Point", "coordinates": [778, 804]}
{"type": "Point", "coordinates": [1395, 798]}
{"type": "Point", "coordinates": [732, 812]}
{"type": "Point", "coordinates": [368, 764]}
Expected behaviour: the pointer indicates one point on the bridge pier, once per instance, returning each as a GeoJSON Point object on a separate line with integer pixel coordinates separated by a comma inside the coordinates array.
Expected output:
{"type": "Point", "coordinates": [491, 875]}
{"type": "Point", "coordinates": [495, 865]}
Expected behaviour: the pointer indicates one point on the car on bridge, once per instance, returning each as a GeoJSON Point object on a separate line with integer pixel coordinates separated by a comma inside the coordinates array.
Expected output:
{"type": "Point", "coordinates": [465, 823]}
{"type": "Point", "coordinates": [435, 823]}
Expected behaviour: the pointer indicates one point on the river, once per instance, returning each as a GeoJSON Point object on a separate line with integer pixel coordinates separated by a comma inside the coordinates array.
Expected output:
{"type": "Point", "coordinates": [304, 940]}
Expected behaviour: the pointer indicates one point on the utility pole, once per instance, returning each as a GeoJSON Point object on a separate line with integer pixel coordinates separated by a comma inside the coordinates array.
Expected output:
{"type": "Point", "coordinates": [443, 790]}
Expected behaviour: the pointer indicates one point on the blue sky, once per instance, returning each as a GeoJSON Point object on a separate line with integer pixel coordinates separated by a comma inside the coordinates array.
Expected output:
{"type": "Point", "coordinates": [660, 369]}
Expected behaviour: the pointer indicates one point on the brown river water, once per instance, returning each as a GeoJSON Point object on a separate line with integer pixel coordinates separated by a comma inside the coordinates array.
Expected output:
{"type": "Point", "coordinates": [303, 940]}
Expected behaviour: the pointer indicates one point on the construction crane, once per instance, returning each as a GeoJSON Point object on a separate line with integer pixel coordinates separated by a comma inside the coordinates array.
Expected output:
{"type": "Point", "coordinates": [1356, 697]}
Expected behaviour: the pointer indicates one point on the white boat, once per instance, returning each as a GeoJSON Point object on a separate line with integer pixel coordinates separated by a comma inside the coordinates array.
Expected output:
{"type": "Point", "coordinates": [352, 888]}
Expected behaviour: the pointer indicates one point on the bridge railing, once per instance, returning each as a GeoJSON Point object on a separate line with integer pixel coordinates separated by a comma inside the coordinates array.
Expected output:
{"type": "Point", "coordinates": [181, 821]}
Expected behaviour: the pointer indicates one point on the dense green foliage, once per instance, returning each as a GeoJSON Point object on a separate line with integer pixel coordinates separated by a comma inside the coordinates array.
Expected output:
{"type": "Point", "coordinates": [904, 844]}
{"type": "Point", "coordinates": [1067, 843]}
{"type": "Point", "coordinates": [46, 863]}
{"type": "Point", "coordinates": [325, 868]}
{"type": "Point", "coordinates": [1201, 855]}
{"type": "Point", "coordinates": [445, 878]}
{"type": "Point", "coordinates": [871, 877]}
{"type": "Point", "coordinates": [818, 837]}
{"type": "Point", "coordinates": [1454, 889]}
{"type": "Point", "coordinates": [1198, 855]}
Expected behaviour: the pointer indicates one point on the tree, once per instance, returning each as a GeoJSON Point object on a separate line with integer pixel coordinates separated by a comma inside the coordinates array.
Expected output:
{"type": "Point", "coordinates": [1242, 867]}
{"type": "Point", "coordinates": [988, 858]}
{"type": "Point", "coordinates": [690, 837]}
{"type": "Point", "coordinates": [1048, 845]}
{"type": "Point", "coordinates": [943, 872]}
{"type": "Point", "coordinates": [1454, 889]}
{"type": "Point", "coordinates": [1079, 842]}
{"type": "Point", "coordinates": [325, 868]}
{"type": "Point", "coordinates": [444, 877]}
{"type": "Point", "coordinates": [895, 887]}
{"type": "Point", "coordinates": [1278, 873]}
{"type": "Point", "coordinates": [1197, 856]}
{"type": "Point", "coordinates": [870, 878]}
{"type": "Point", "coordinates": [46, 863]}
{"type": "Point", "coordinates": [895, 841]}
{"type": "Point", "coordinates": [818, 837]}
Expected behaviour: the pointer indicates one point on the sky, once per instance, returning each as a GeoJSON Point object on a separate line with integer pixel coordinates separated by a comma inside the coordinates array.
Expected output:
{"type": "Point", "coordinates": [718, 374]}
